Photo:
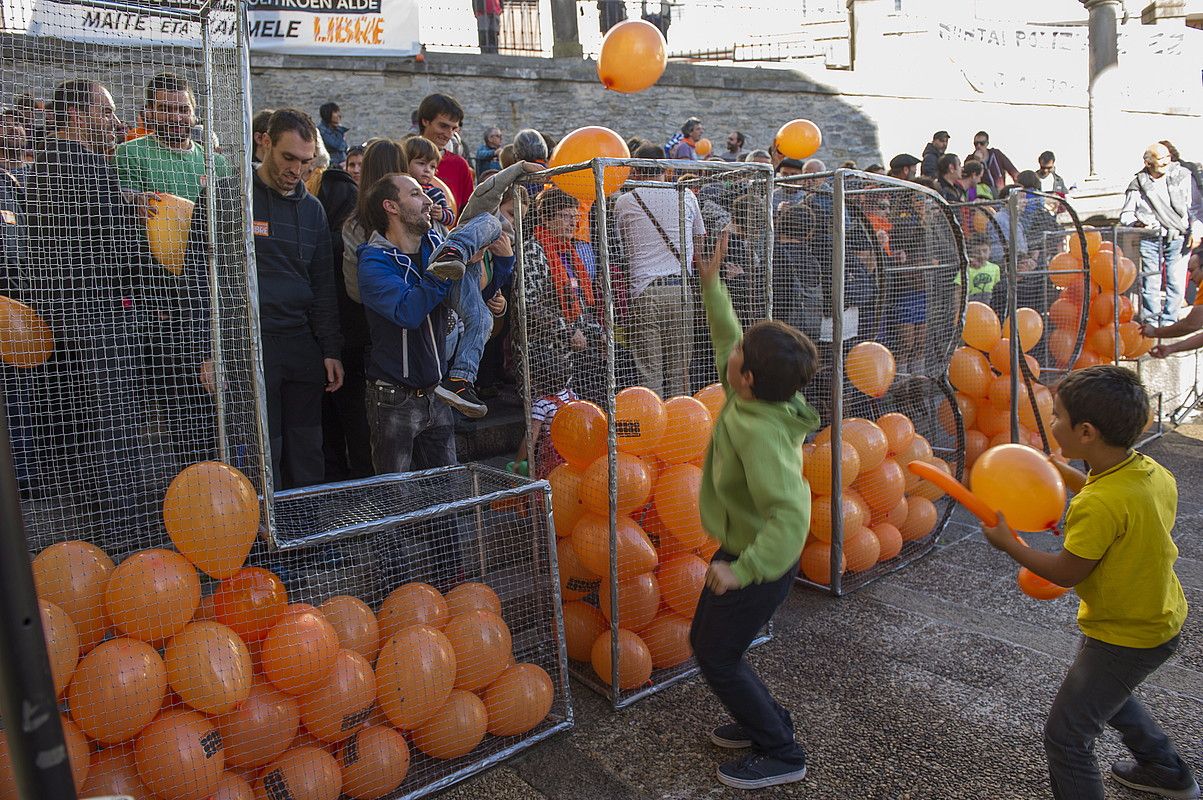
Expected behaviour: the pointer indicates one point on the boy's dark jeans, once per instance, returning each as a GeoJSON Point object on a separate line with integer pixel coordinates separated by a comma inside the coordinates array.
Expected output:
{"type": "Point", "coordinates": [1097, 691]}
{"type": "Point", "coordinates": [723, 628]}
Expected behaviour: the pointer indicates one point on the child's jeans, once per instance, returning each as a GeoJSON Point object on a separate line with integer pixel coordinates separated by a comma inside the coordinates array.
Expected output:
{"type": "Point", "coordinates": [464, 298]}
{"type": "Point", "coordinates": [723, 628]}
{"type": "Point", "coordinates": [1097, 691]}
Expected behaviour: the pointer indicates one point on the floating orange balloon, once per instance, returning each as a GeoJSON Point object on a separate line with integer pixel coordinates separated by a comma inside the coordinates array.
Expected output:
{"type": "Point", "coordinates": [113, 773]}
{"type": "Point", "coordinates": [982, 329]}
{"type": "Point", "coordinates": [62, 644]}
{"type": "Point", "coordinates": [638, 600]}
{"type": "Point", "coordinates": [816, 562]}
{"type": "Point", "coordinates": [354, 623]}
{"type": "Point", "coordinates": [1020, 482]}
{"type": "Point", "coordinates": [1065, 269]}
{"type": "Point", "coordinates": [167, 230]}
{"type": "Point", "coordinates": [211, 512]}
{"type": "Point", "coordinates": [456, 729]}
{"type": "Point", "coordinates": [566, 505]}
{"type": "Point", "coordinates": [575, 580]}
{"type": "Point", "coordinates": [634, 659]}
{"type": "Point", "coordinates": [25, 338]}
{"type": "Point", "coordinates": [591, 543]}
{"type": "Point", "coordinates": [261, 728]}
{"type": "Point", "coordinates": [73, 575]}
{"type": "Point", "coordinates": [870, 368]}
{"type": "Point", "coordinates": [862, 550]}
{"type": "Point", "coordinates": [667, 639]}
{"type": "Point", "coordinates": [582, 625]}
{"type": "Point", "coordinates": [251, 601]}
{"type": "Point", "coordinates": [899, 431]}
{"type": "Point", "coordinates": [519, 700]}
{"type": "Point", "coordinates": [703, 147]}
{"type": "Point", "coordinates": [209, 667]}
{"type": "Point", "coordinates": [152, 595]}
{"type": "Point", "coordinates": [586, 144]}
{"type": "Point", "coordinates": [117, 690]}
{"type": "Point", "coordinates": [714, 397]}
{"type": "Point", "coordinates": [180, 755]}
{"type": "Point", "coordinates": [414, 675]}
{"type": "Point", "coordinates": [969, 372]}
{"type": "Point", "coordinates": [342, 702]}
{"type": "Point", "coordinates": [633, 484]}
{"type": "Point", "coordinates": [302, 773]}
{"type": "Point", "coordinates": [412, 604]}
{"type": "Point", "coordinates": [921, 518]}
{"type": "Point", "coordinates": [687, 434]}
{"type": "Point", "coordinates": [374, 763]}
{"type": "Point", "coordinates": [889, 540]}
{"type": "Point", "coordinates": [1038, 588]}
{"type": "Point", "coordinates": [816, 467]}
{"type": "Point", "coordinates": [882, 487]}
{"type": "Point", "coordinates": [578, 432]}
{"type": "Point", "coordinates": [483, 647]}
{"type": "Point", "coordinates": [799, 138]}
{"type": "Point", "coordinates": [633, 56]}
{"type": "Point", "coordinates": [676, 501]}
{"type": "Point", "coordinates": [299, 652]}
{"type": "Point", "coordinates": [639, 420]}
{"type": "Point", "coordinates": [869, 440]}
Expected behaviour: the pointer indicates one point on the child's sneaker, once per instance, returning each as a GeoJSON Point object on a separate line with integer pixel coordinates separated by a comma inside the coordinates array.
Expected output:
{"type": "Point", "coordinates": [757, 771]}
{"type": "Point", "coordinates": [450, 270]}
{"type": "Point", "coordinates": [730, 735]}
{"type": "Point", "coordinates": [459, 394]}
{"type": "Point", "coordinates": [1155, 779]}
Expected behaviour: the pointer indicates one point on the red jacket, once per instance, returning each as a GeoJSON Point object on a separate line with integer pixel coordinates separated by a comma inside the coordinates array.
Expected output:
{"type": "Point", "coordinates": [454, 171]}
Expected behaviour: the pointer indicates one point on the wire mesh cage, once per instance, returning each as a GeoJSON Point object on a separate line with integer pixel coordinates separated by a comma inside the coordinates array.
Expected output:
{"type": "Point", "coordinates": [889, 256]}
{"type": "Point", "coordinates": [622, 386]}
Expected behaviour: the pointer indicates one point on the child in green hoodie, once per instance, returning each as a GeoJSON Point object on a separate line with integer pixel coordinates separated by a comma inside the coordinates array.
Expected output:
{"type": "Point", "coordinates": [755, 502]}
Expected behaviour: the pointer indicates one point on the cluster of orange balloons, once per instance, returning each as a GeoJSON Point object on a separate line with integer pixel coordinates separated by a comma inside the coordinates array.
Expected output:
{"type": "Point", "coordinates": [881, 504]}
{"type": "Point", "coordinates": [171, 696]}
{"type": "Point", "coordinates": [662, 549]}
{"type": "Point", "coordinates": [981, 374]}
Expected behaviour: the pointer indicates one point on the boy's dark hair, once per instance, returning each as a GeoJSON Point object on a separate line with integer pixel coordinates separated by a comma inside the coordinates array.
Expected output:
{"type": "Point", "coordinates": [652, 152]}
{"type": "Point", "coordinates": [782, 360]}
{"type": "Point", "coordinates": [77, 94]}
{"type": "Point", "coordinates": [166, 82]}
{"type": "Point", "coordinates": [945, 162]}
{"type": "Point", "coordinates": [1047, 155]}
{"type": "Point", "coordinates": [1110, 398]}
{"type": "Point", "coordinates": [284, 120]}
{"type": "Point", "coordinates": [375, 218]}
{"type": "Point", "coordinates": [972, 168]}
{"type": "Point", "coordinates": [434, 104]}
{"type": "Point", "coordinates": [689, 125]}
{"type": "Point", "coordinates": [260, 120]}
{"type": "Point", "coordinates": [417, 147]}
{"type": "Point", "coordinates": [327, 111]}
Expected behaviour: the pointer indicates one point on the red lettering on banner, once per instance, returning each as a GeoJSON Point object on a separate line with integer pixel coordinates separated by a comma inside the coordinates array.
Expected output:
{"type": "Point", "coordinates": [348, 30]}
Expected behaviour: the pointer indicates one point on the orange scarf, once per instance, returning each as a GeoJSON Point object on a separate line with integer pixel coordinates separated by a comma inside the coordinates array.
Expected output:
{"type": "Point", "coordinates": [556, 249]}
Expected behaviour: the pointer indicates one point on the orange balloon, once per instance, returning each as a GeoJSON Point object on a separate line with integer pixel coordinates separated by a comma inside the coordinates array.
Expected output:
{"type": "Point", "coordinates": [152, 595]}
{"type": "Point", "coordinates": [946, 418]}
{"type": "Point", "coordinates": [667, 639]}
{"type": "Point", "coordinates": [1102, 341]}
{"type": "Point", "coordinates": [412, 604]}
{"type": "Point", "coordinates": [862, 550]}
{"type": "Point", "coordinates": [519, 700]}
{"type": "Point", "coordinates": [62, 644]}
{"type": "Point", "coordinates": [113, 772]}
{"type": "Point", "coordinates": [969, 372]}
{"type": "Point", "coordinates": [982, 329]}
{"type": "Point", "coordinates": [259, 729]}
{"type": "Point", "coordinates": [1038, 588]}
{"type": "Point", "coordinates": [869, 440]}
{"type": "Point", "coordinates": [816, 467]}
{"type": "Point", "coordinates": [1061, 347]}
{"type": "Point", "coordinates": [634, 659]}
{"type": "Point", "coordinates": [816, 562]}
{"type": "Point", "coordinates": [374, 763]}
{"type": "Point", "coordinates": [687, 434]}
{"type": "Point", "coordinates": [1065, 269]}
{"type": "Point", "coordinates": [299, 652]}
{"type": "Point", "coordinates": [117, 690]}
{"type": "Point", "coordinates": [921, 518]}
{"type": "Point", "coordinates": [575, 580]}
{"type": "Point", "coordinates": [883, 487]}
{"type": "Point", "coordinates": [993, 419]}
{"type": "Point", "coordinates": [302, 773]}
{"type": "Point", "coordinates": [211, 512]}
{"type": "Point", "coordinates": [209, 667]}
{"type": "Point", "coordinates": [1094, 242]}
{"type": "Point", "coordinates": [634, 484]}
{"type": "Point", "coordinates": [639, 420]}
{"type": "Point", "coordinates": [1103, 271]}
{"type": "Point", "coordinates": [899, 431]}
{"type": "Point", "coordinates": [565, 498]}
{"type": "Point", "coordinates": [1031, 327]}
{"type": "Point", "coordinates": [470, 596]}
{"type": "Point", "coordinates": [633, 56]}
{"type": "Point", "coordinates": [1044, 408]}
{"type": "Point", "coordinates": [638, 600]}
{"type": "Point", "coordinates": [414, 675]}
{"type": "Point", "coordinates": [714, 397]}
{"type": "Point", "coordinates": [483, 647]}
{"type": "Point", "coordinates": [25, 338]}
{"type": "Point", "coordinates": [1089, 358]}
{"type": "Point", "coordinates": [578, 433]}
{"type": "Point", "coordinates": [1127, 274]}
{"type": "Point", "coordinates": [1142, 347]}
{"type": "Point", "coordinates": [73, 575]}
{"type": "Point", "coordinates": [341, 703]}
{"type": "Point", "coordinates": [799, 138]}
{"type": "Point", "coordinates": [918, 450]}
{"type": "Point", "coordinates": [232, 787]}
{"type": "Point", "coordinates": [681, 579]}
{"type": "Point", "coordinates": [1127, 310]}
{"type": "Point", "coordinates": [1130, 337]}
{"type": "Point", "coordinates": [591, 542]}
{"type": "Point", "coordinates": [354, 623]}
{"type": "Point", "coordinates": [820, 516]}
{"type": "Point", "coordinates": [870, 368]}
{"type": "Point", "coordinates": [77, 755]}
{"type": "Point", "coordinates": [180, 755]}
{"type": "Point", "coordinates": [250, 601]}
{"type": "Point", "coordinates": [1102, 309]}
{"type": "Point", "coordinates": [167, 230]}
{"type": "Point", "coordinates": [929, 490]}
{"type": "Point", "coordinates": [582, 625]}
{"type": "Point", "coordinates": [456, 729]}
{"type": "Point", "coordinates": [1020, 482]}
{"type": "Point", "coordinates": [897, 515]}
{"type": "Point", "coordinates": [1064, 313]}
{"type": "Point", "coordinates": [586, 144]}
{"type": "Point", "coordinates": [889, 540]}
{"type": "Point", "coordinates": [703, 147]}
{"type": "Point", "coordinates": [676, 501]}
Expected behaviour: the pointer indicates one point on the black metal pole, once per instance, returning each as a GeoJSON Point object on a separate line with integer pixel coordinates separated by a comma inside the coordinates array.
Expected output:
{"type": "Point", "coordinates": [36, 748]}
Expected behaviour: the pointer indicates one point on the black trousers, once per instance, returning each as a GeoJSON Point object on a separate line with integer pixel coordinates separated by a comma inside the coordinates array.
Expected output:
{"type": "Point", "coordinates": [723, 629]}
{"type": "Point", "coordinates": [294, 380]}
{"type": "Point", "coordinates": [347, 438]}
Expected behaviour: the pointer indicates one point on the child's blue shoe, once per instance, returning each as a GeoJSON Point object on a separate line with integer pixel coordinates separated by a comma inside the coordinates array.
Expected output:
{"type": "Point", "coordinates": [757, 771]}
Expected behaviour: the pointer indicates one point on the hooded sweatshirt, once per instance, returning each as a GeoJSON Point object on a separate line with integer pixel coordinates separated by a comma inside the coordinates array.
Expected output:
{"type": "Point", "coordinates": [753, 498]}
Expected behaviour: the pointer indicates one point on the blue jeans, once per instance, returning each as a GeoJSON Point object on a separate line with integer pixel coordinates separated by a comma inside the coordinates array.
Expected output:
{"type": "Point", "coordinates": [1097, 691]}
{"type": "Point", "coordinates": [1152, 252]}
{"type": "Point", "coordinates": [464, 298]}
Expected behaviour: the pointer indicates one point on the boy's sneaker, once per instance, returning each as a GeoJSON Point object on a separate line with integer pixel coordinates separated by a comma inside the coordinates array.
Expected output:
{"type": "Point", "coordinates": [731, 736]}
{"type": "Point", "coordinates": [450, 270]}
{"type": "Point", "coordinates": [1155, 779]}
{"type": "Point", "coordinates": [459, 394]}
{"type": "Point", "coordinates": [757, 771]}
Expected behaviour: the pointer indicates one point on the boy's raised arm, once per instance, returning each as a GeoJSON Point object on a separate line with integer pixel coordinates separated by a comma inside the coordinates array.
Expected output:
{"type": "Point", "coordinates": [720, 314]}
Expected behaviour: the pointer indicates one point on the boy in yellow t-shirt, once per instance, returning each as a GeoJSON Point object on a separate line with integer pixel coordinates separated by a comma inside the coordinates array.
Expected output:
{"type": "Point", "coordinates": [1119, 557]}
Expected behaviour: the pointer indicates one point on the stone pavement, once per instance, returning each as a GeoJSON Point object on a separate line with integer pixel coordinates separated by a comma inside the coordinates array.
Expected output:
{"type": "Point", "coordinates": [929, 684]}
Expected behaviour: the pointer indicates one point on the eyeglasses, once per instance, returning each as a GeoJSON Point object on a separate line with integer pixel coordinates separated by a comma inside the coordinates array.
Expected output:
{"type": "Point", "coordinates": [980, 142]}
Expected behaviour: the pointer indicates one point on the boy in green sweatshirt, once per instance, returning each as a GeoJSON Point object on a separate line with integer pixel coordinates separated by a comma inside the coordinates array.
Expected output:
{"type": "Point", "coordinates": [755, 502]}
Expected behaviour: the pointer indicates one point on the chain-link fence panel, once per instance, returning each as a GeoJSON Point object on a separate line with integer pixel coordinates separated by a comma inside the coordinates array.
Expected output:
{"type": "Point", "coordinates": [878, 265]}
{"type": "Point", "coordinates": [622, 383]}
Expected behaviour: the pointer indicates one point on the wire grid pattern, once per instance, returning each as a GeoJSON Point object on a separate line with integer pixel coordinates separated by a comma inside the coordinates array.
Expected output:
{"type": "Point", "coordinates": [881, 389]}
{"type": "Point", "coordinates": [622, 386]}
{"type": "Point", "coordinates": [118, 312]}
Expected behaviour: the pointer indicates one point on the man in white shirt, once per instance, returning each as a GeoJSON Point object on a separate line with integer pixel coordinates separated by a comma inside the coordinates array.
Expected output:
{"type": "Point", "coordinates": [653, 234]}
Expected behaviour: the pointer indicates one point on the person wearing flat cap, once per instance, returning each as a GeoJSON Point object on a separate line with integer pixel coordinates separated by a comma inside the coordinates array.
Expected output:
{"type": "Point", "coordinates": [902, 166]}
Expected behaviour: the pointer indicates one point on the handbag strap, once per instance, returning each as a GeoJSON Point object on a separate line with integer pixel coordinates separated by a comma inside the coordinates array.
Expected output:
{"type": "Point", "coordinates": [659, 228]}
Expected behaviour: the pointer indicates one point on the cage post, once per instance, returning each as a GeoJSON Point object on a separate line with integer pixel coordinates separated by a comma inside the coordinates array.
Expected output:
{"type": "Point", "coordinates": [215, 346]}
{"type": "Point", "coordinates": [838, 210]}
{"type": "Point", "coordinates": [1016, 347]}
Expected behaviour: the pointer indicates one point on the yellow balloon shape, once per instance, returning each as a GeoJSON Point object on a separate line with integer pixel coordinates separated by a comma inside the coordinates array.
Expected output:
{"type": "Point", "coordinates": [633, 56]}
{"type": "Point", "coordinates": [167, 230]}
{"type": "Point", "coordinates": [211, 512]}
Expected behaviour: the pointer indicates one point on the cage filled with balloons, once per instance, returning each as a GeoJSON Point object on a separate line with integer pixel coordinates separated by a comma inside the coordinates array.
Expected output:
{"type": "Point", "coordinates": [623, 390]}
{"type": "Point", "coordinates": [868, 267]}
